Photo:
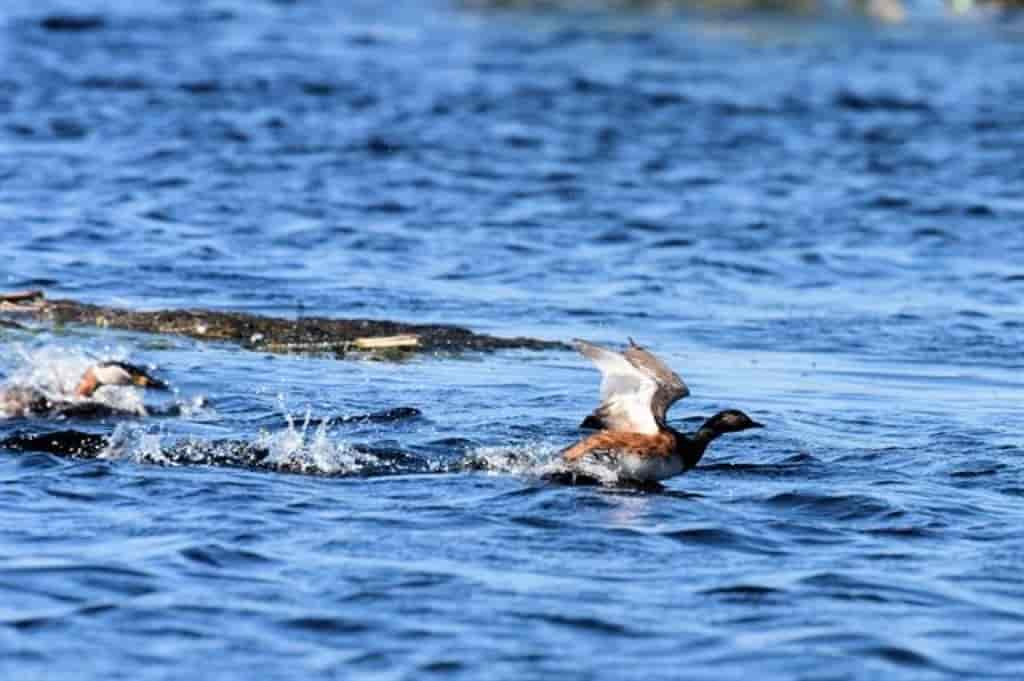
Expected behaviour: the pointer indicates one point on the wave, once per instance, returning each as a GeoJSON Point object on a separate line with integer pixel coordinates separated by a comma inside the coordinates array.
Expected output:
{"type": "Point", "coordinates": [307, 446]}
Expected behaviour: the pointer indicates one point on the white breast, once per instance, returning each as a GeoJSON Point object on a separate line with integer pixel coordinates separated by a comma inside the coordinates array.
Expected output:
{"type": "Point", "coordinates": [649, 468]}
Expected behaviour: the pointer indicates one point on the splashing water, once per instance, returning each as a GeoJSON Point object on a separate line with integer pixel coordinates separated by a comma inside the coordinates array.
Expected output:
{"type": "Point", "coordinates": [810, 221]}
{"type": "Point", "coordinates": [55, 370]}
{"type": "Point", "coordinates": [530, 459]}
{"type": "Point", "coordinates": [133, 442]}
{"type": "Point", "coordinates": [302, 449]}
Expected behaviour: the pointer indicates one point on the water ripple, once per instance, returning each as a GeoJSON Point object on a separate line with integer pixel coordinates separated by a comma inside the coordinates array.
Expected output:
{"type": "Point", "coordinates": [812, 221]}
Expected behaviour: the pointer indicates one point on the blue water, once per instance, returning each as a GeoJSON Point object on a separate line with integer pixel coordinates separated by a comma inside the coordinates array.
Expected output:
{"type": "Point", "coordinates": [816, 220]}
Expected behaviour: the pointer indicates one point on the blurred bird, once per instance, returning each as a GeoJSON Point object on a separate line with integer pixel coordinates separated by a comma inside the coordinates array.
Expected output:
{"type": "Point", "coordinates": [31, 401]}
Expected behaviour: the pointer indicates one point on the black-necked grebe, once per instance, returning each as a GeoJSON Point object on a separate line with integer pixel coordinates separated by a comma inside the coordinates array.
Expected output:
{"type": "Point", "coordinates": [637, 390]}
{"type": "Point", "coordinates": [30, 401]}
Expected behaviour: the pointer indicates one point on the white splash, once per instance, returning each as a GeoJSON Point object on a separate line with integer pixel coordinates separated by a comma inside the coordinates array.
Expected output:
{"type": "Point", "coordinates": [132, 442]}
{"type": "Point", "coordinates": [55, 371]}
{"type": "Point", "coordinates": [302, 449]}
{"type": "Point", "coordinates": [537, 459]}
{"type": "Point", "coordinates": [533, 459]}
{"type": "Point", "coordinates": [197, 407]}
{"type": "Point", "coordinates": [591, 468]}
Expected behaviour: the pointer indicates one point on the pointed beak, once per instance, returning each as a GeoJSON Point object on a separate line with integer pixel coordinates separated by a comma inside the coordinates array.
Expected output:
{"type": "Point", "coordinates": [755, 424]}
{"type": "Point", "coordinates": [147, 381]}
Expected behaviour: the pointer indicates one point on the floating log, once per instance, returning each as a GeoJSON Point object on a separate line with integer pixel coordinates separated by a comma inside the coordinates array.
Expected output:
{"type": "Point", "coordinates": [314, 335]}
{"type": "Point", "coordinates": [21, 301]}
{"type": "Point", "coordinates": [22, 296]}
{"type": "Point", "coordinates": [387, 342]}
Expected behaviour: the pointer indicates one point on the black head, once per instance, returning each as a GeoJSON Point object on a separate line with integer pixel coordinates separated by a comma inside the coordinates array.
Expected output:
{"type": "Point", "coordinates": [123, 373]}
{"type": "Point", "coordinates": [730, 421]}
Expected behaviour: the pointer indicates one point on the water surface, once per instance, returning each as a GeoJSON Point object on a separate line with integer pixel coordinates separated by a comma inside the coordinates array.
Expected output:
{"type": "Point", "coordinates": [818, 222]}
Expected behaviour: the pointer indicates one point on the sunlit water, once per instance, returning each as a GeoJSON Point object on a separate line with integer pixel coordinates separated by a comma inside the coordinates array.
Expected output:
{"type": "Point", "coordinates": [817, 222]}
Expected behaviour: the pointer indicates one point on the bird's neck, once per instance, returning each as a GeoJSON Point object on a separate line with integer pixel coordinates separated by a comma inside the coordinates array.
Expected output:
{"type": "Point", "coordinates": [88, 385]}
{"type": "Point", "coordinates": [692, 447]}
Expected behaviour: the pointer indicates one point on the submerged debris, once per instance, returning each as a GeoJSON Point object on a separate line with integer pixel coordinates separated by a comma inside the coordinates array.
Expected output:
{"type": "Point", "coordinates": [318, 335]}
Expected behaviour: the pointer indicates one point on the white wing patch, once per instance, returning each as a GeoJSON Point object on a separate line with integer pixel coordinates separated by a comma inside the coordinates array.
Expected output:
{"type": "Point", "coordinates": [626, 391]}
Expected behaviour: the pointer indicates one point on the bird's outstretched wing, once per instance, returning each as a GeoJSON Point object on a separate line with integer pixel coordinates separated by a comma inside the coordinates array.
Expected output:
{"type": "Point", "coordinates": [637, 389]}
{"type": "Point", "coordinates": [671, 388]}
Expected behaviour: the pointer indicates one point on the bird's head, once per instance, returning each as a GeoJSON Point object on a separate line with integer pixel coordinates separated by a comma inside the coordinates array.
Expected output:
{"type": "Point", "coordinates": [730, 421]}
